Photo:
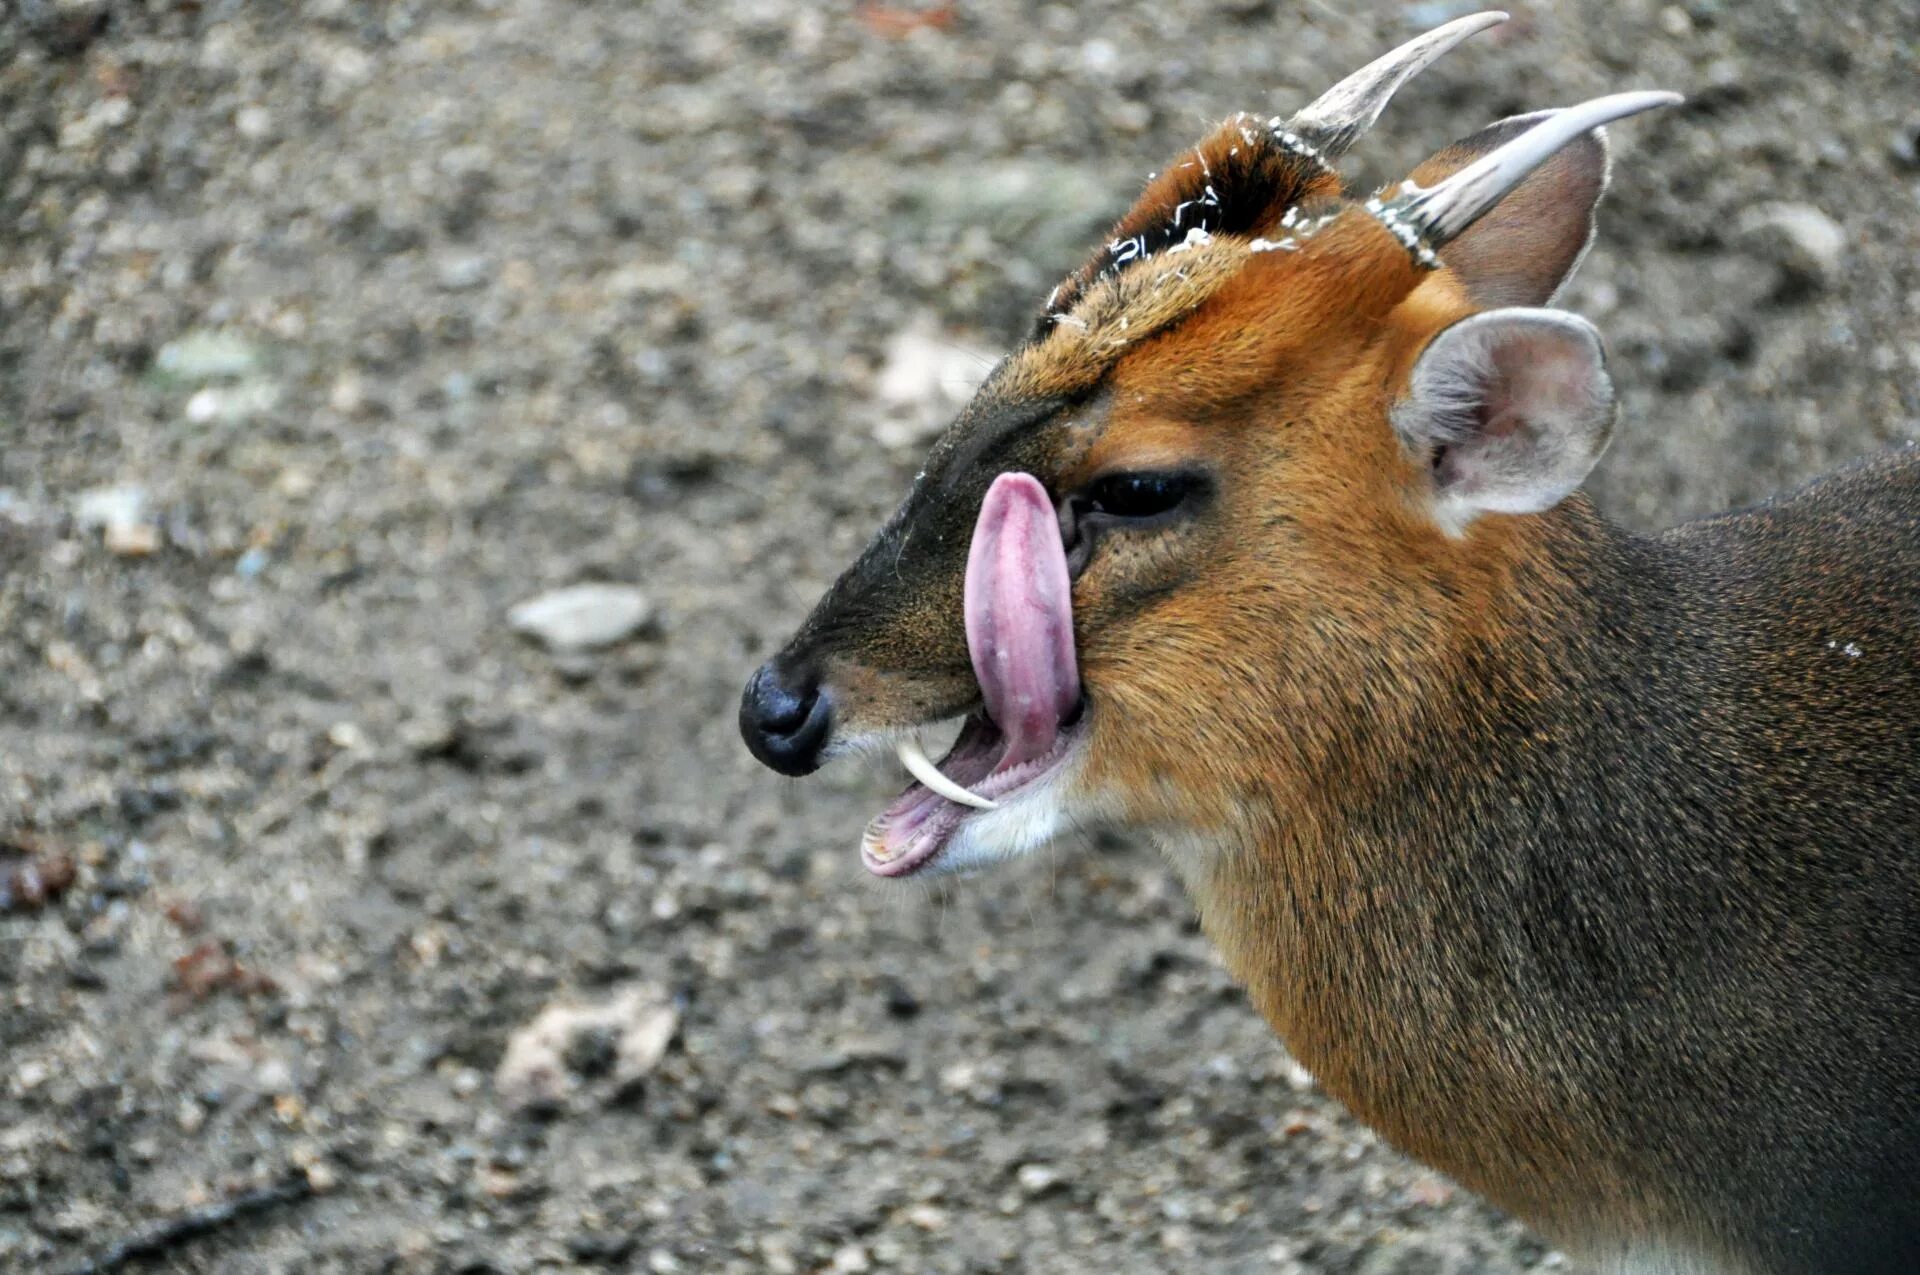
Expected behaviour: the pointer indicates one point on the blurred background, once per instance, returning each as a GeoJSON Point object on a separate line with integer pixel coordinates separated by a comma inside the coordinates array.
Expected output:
{"type": "Point", "coordinates": [416, 419]}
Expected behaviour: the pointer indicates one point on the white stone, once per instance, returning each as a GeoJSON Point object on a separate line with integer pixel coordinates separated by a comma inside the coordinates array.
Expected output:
{"type": "Point", "coordinates": [100, 508]}
{"type": "Point", "coordinates": [924, 378]}
{"type": "Point", "coordinates": [1038, 1179]}
{"type": "Point", "coordinates": [1805, 242]}
{"type": "Point", "coordinates": [207, 355]}
{"type": "Point", "coordinates": [457, 274]}
{"type": "Point", "coordinates": [582, 617]}
{"type": "Point", "coordinates": [533, 1070]}
{"type": "Point", "coordinates": [253, 122]}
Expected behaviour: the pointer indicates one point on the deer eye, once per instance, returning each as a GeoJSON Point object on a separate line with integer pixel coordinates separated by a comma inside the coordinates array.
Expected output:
{"type": "Point", "coordinates": [1144, 495]}
{"type": "Point", "coordinates": [1143, 499]}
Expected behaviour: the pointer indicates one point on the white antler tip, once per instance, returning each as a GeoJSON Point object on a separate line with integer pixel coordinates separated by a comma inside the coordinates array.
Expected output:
{"type": "Point", "coordinates": [1337, 118]}
{"type": "Point", "coordinates": [1442, 211]}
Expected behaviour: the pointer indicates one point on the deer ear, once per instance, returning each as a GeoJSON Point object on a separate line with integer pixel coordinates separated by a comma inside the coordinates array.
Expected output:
{"type": "Point", "coordinates": [1530, 243]}
{"type": "Point", "coordinates": [1508, 410]}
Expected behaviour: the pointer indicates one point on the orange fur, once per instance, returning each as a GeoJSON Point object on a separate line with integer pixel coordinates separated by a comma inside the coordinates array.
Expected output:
{"type": "Point", "coordinates": [1282, 379]}
{"type": "Point", "coordinates": [1290, 677]}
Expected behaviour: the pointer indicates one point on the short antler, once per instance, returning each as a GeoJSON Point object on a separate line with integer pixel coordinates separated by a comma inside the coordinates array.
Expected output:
{"type": "Point", "coordinates": [1424, 220]}
{"type": "Point", "coordinates": [1341, 115]}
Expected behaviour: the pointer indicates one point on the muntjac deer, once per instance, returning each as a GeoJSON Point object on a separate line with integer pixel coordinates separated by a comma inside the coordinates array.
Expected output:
{"type": "Point", "coordinates": [1584, 867]}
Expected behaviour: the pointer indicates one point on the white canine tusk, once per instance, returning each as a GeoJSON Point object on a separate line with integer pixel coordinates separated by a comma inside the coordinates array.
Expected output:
{"type": "Point", "coordinates": [922, 768]}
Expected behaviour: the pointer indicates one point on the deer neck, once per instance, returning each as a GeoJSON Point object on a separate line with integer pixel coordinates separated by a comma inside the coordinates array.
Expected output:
{"type": "Point", "coordinates": [1405, 936]}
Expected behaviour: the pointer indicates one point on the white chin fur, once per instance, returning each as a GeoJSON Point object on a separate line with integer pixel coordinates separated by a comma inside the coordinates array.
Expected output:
{"type": "Point", "coordinates": [1015, 829]}
{"type": "Point", "coordinates": [1025, 822]}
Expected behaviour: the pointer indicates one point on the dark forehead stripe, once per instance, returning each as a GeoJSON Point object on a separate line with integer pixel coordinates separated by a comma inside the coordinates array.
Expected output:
{"type": "Point", "coordinates": [1238, 181]}
{"type": "Point", "coordinates": [996, 418]}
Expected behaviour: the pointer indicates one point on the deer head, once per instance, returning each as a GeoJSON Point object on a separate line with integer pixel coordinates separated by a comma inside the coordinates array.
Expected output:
{"type": "Point", "coordinates": [1194, 550]}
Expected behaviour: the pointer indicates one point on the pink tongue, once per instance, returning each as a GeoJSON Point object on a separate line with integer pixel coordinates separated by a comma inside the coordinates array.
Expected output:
{"type": "Point", "coordinates": [1019, 604]}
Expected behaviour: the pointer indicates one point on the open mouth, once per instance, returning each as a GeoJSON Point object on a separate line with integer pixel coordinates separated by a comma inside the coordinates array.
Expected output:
{"type": "Point", "coordinates": [911, 832]}
{"type": "Point", "coordinates": [1019, 617]}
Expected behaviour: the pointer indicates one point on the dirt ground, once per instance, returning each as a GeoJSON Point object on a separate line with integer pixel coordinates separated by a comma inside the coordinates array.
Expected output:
{"type": "Point", "coordinates": [330, 332]}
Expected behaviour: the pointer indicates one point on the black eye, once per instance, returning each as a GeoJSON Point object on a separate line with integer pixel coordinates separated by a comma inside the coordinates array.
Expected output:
{"type": "Point", "coordinates": [1140, 495]}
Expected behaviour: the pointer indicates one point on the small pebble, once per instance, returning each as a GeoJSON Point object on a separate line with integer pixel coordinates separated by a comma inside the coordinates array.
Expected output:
{"type": "Point", "coordinates": [99, 508]}
{"type": "Point", "coordinates": [1038, 1179]}
{"type": "Point", "coordinates": [132, 540]}
{"type": "Point", "coordinates": [1808, 246]}
{"type": "Point", "coordinates": [1905, 143]}
{"type": "Point", "coordinates": [583, 617]}
{"type": "Point", "coordinates": [930, 1218]}
{"type": "Point", "coordinates": [253, 122]}
{"type": "Point", "coordinates": [535, 1072]}
{"type": "Point", "coordinates": [208, 355]}
{"type": "Point", "coordinates": [457, 274]}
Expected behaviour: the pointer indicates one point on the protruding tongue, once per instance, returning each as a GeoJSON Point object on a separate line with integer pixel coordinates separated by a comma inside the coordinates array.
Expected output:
{"type": "Point", "coordinates": [1019, 605]}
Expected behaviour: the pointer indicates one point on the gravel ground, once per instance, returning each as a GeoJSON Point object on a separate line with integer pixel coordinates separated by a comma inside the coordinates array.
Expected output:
{"type": "Point", "coordinates": [330, 332]}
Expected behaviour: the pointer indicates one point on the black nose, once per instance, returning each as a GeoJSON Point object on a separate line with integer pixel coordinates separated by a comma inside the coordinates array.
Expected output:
{"type": "Point", "coordinates": [785, 719]}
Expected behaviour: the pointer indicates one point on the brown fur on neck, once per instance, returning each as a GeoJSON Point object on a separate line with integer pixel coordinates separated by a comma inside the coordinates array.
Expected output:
{"type": "Point", "coordinates": [1350, 927]}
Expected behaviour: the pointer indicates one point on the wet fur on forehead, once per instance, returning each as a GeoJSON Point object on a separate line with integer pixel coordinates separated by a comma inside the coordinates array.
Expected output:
{"type": "Point", "coordinates": [1116, 313]}
{"type": "Point", "coordinates": [1190, 231]}
{"type": "Point", "coordinates": [1238, 181]}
